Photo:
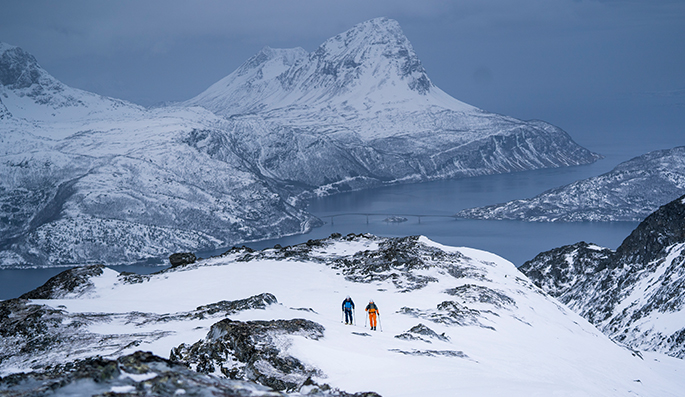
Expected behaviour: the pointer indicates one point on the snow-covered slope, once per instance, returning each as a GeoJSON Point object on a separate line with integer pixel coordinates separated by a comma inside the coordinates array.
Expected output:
{"type": "Point", "coordinates": [635, 295]}
{"type": "Point", "coordinates": [361, 110]}
{"type": "Point", "coordinates": [131, 189]}
{"type": "Point", "coordinates": [630, 192]}
{"type": "Point", "coordinates": [454, 321]}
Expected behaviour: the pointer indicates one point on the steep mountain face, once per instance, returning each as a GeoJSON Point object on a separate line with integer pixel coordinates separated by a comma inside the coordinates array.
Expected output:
{"type": "Point", "coordinates": [630, 192]}
{"type": "Point", "coordinates": [453, 321]}
{"type": "Point", "coordinates": [636, 295]}
{"type": "Point", "coordinates": [360, 110]}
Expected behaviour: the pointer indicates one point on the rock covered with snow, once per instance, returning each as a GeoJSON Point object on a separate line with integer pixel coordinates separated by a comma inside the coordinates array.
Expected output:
{"type": "Point", "coordinates": [635, 294]}
{"type": "Point", "coordinates": [452, 321]}
{"type": "Point", "coordinates": [136, 374]}
{"type": "Point", "coordinates": [630, 192]}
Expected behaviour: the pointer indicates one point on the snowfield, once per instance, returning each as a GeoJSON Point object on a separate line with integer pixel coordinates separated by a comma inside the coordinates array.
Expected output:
{"type": "Point", "coordinates": [486, 329]}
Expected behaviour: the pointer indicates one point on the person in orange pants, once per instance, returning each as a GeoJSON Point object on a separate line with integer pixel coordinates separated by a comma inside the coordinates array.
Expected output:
{"type": "Point", "coordinates": [372, 309]}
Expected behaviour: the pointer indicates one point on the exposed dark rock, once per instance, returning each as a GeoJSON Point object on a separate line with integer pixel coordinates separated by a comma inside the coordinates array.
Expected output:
{"type": "Point", "coordinates": [449, 312]}
{"type": "Point", "coordinates": [432, 353]}
{"type": "Point", "coordinates": [38, 336]}
{"type": "Point", "coordinates": [137, 374]}
{"type": "Point", "coordinates": [395, 259]}
{"type": "Point", "coordinates": [260, 301]}
{"type": "Point", "coordinates": [649, 264]}
{"type": "Point", "coordinates": [558, 269]}
{"type": "Point", "coordinates": [72, 281]}
{"type": "Point", "coordinates": [417, 331]}
{"type": "Point", "coordinates": [653, 236]}
{"type": "Point", "coordinates": [471, 293]}
{"type": "Point", "coordinates": [182, 258]}
{"type": "Point", "coordinates": [252, 351]}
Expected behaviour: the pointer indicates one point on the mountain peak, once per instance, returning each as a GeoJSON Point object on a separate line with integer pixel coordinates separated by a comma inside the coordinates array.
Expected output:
{"type": "Point", "coordinates": [370, 67]}
{"type": "Point", "coordinates": [371, 43]}
{"type": "Point", "coordinates": [18, 68]}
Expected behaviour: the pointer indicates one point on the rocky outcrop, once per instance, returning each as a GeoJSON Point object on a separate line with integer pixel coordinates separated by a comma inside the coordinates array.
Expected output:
{"type": "Point", "coordinates": [631, 293]}
{"type": "Point", "coordinates": [559, 269]}
{"type": "Point", "coordinates": [421, 332]}
{"type": "Point", "coordinates": [135, 375]}
{"type": "Point", "coordinates": [252, 351]}
{"type": "Point", "coordinates": [74, 281]}
{"type": "Point", "coordinates": [182, 258]}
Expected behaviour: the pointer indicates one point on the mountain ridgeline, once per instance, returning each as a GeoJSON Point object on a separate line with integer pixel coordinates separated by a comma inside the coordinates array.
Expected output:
{"type": "Point", "coordinates": [90, 179]}
{"type": "Point", "coordinates": [635, 294]}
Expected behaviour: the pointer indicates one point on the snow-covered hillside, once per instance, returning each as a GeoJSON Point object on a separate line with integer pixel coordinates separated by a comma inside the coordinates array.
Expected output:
{"type": "Point", "coordinates": [630, 192]}
{"type": "Point", "coordinates": [85, 178]}
{"type": "Point", "coordinates": [636, 294]}
{"type": "Point", "coordinates": [360, 110]}
{"type": "Point", "coordinates": [454, 321]}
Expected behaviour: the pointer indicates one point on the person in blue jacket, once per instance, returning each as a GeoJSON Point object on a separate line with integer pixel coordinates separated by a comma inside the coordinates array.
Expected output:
{"type": "Point", "coordinates": [347, 307]}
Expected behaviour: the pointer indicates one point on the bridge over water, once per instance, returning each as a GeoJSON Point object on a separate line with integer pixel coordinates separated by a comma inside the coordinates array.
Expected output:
{"type": "Point", "coordinates": [368, 214]}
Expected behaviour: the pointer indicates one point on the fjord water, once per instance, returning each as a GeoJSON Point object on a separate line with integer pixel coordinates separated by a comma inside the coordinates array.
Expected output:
{"type": "Point", "coordinates": [429, 208]}
{"type": "Point", "coordinates": [436, 202]}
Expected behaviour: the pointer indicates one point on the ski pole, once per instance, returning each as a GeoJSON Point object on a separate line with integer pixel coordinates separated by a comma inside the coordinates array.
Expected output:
{"type": "Point", "coordinates": [365, 320]}
{"type": "Point", "coordinates": [380, 324]}
{"type": "Point", "coordinates": [342, 316]}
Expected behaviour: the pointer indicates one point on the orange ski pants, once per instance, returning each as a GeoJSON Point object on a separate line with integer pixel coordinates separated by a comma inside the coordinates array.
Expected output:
{"type": "Point", "coordinates": [372, 318]}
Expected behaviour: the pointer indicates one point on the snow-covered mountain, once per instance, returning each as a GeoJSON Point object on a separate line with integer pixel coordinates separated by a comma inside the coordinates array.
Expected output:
{"type": "Point", "coordinates": [629, 192]}
{"type": "Point", "coordinates": [360, 110]}
{"type": "Point", "coordinates": [107, 181]}
{"type": "Point", "coordinates": [85, 178]}
{"type": "Point", "coordinates": [636, 294]}
{"type": "Point", "coordinates": [453, 321]}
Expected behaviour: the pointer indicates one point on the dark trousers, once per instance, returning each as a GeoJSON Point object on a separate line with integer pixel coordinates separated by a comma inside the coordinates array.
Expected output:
{"type": "Point", "coordinates": [348, 315]}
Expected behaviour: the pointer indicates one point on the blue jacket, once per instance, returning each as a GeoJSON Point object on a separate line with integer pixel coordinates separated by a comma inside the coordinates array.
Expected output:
{"type": "Point", "coordinates": [347, 304]}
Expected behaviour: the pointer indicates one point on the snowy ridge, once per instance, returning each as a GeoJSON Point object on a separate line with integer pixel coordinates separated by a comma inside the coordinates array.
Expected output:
{"type": "Point", "coordinates": [453, 321]}
{"type": "Point", "coordinates": [630, 192]}
{"type": "Point", "coordinates": [635, 294]}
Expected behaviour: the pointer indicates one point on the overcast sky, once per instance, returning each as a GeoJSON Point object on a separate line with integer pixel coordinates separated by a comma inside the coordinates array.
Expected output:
{"type": "Point", "coordinates": [587, 66]}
